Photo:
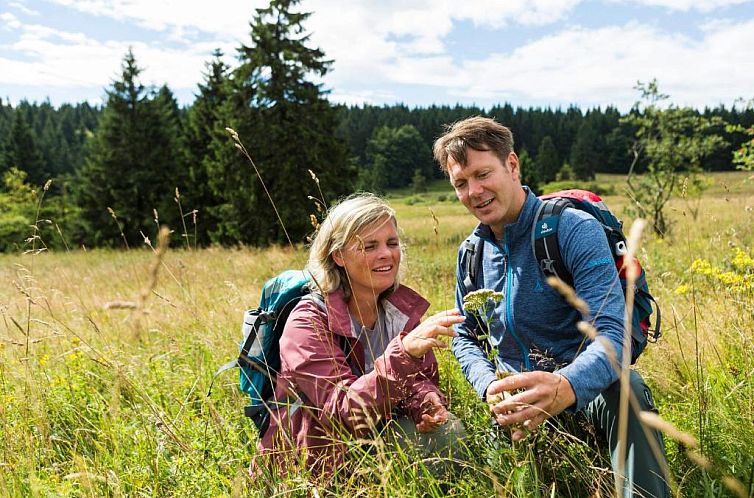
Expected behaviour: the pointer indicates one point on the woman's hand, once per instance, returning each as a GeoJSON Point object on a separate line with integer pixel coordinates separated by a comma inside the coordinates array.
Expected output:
{"type": "Point", "coordinates": [434, 413]}
{"type": "Point", "coordinates": [425, 336]}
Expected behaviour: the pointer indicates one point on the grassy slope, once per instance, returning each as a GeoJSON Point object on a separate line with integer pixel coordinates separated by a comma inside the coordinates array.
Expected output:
{"type": "Point", "coordinates": [97, 401]}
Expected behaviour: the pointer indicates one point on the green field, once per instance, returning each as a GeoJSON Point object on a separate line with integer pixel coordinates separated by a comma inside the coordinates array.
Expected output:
{"type": "Point", "coordinates": [106, 358]}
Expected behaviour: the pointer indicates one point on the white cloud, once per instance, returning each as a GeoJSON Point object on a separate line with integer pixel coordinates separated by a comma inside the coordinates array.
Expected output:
{"type": "Point", "coordinates": [379, 46]}
{"type": "Point", "coordinates": [599, 67]}
{"type": "Point", "coordinates": [23, 8]}
{"type": "Point", "coordinates": [10, 21]}
{"type": "Point", "coordinates": [54, 58]}
{"type": "Point", "coordinates": [686, 5]}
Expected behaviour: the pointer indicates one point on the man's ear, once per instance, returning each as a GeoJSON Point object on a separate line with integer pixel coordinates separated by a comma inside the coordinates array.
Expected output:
{"type": "Point", "coordinates": [514, 164]}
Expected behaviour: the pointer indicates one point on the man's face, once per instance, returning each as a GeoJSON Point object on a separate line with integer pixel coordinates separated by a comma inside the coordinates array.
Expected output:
{"type": "Point", "coordinates": [490, 189]}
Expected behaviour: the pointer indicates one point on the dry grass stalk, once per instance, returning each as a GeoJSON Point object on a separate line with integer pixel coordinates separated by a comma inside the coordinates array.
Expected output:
{"type": "Point", "coordinates": [239, 145]}
{"type": "Point", "coordinates": [569, 294]}
{"type": "Point", "coordinates": [154, 268]}
{"type": "Point", "coordinates": [634, 238]}
{"type": "Point", "coordinates": [656, 422]}
{"type": "Point", "coordinates": [117, 223]}
{"type": "Point", "coordinates": [736, 487]}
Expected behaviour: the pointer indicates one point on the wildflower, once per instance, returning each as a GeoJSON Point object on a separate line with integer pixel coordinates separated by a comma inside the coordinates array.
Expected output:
{"type": "Point", "coordinates": [682, 289]}
{"type": "Point", "coordinates": [43, 360]}
{"type": "Point", "coordinates": [742, 261]}
{"type": "Point", "coordinates": [477, 301]}
{"type": "Point", "coordinates": [702, 267]}
{"type": "Point", "coordinates": [729, 278]}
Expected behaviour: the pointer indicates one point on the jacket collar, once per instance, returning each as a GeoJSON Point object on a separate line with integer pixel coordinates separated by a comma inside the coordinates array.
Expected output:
{"type": "Point", "coordinates": [404, 300]}
{"type": "Point", "coordinates": [518, 229]}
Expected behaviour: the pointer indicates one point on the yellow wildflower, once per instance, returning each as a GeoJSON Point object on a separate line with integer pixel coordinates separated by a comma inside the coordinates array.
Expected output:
{"type": "Point", "coordinates": [729, 278]}
{"type": "Point", "coordinates": [742, 261]}
{"type": "Point", "coordinates": [702, 267]}
{"type": "Point", "coordinates": [682, 289]}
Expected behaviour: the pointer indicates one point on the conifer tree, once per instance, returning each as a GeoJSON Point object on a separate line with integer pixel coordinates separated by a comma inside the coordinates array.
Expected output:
{"type": "Point", "coordinates": [20, 151]}
{"type": "Point", "coordinates": [547, 161]}
{"type": "Point", "coordinates": [287, 125]}
{"type": "Point", "coordinates": [588, 150]}
{"type": "Point", "coordinates": [132, 163]}
{"type": "Point", "coordinates": [202, 123]}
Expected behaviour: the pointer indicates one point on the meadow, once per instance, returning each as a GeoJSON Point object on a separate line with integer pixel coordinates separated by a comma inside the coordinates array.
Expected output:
{"type": "Point", "coordinates": [106, 359]}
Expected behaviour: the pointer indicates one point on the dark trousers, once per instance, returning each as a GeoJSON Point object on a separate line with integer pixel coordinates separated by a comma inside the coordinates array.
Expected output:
{"type": "Point", "coordinates": [643, 470]}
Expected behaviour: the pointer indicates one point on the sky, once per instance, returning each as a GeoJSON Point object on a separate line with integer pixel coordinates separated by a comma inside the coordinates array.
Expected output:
{"type": "Point", "coordinates": [529, 53]}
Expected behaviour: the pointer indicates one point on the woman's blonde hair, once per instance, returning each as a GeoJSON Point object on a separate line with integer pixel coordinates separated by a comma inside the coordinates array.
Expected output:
{"type": "Point", "coordinates": [340, 227]}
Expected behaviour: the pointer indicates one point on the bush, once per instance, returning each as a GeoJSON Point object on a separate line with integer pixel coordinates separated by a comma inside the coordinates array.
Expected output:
{"type": "Point", "coordinates": [601, 189]}
{"type": "Point", "coordinates": [414, 199]}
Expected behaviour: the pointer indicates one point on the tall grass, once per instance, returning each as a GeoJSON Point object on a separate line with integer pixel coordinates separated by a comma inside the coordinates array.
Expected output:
{"type": "Point", "coordinates": [90, 407]}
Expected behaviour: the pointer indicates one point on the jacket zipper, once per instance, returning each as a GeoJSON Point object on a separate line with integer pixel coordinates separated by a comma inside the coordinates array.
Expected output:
{"type": "Point", "coordinates": [508, 312]}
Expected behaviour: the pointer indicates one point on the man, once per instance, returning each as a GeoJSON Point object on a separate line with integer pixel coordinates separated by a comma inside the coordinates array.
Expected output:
{"type": "Point", "coordinates": [533, 329]}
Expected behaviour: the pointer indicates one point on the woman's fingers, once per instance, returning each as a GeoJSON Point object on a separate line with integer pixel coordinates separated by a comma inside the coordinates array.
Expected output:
{"type": "Point", "coordinates": [446, 318]}
{"type": "Point", "coordinates": [423, 338]}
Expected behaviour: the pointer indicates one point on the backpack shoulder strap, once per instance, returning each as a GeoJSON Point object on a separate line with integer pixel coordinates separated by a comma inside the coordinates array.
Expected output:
{"type": "Point", "coordinates": [343, 341]}
{"type": "Point", "coordinates": [471, 264]}
{"type": "Point", "coordinates": [545, 241]}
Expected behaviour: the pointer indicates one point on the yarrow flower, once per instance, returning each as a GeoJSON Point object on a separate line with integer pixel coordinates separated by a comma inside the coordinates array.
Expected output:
{"type": "Point", "coordinates": [478, 300]}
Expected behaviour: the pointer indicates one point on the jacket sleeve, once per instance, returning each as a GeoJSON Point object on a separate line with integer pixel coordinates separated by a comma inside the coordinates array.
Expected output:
{"type": "Point", "coordinates": [316, 367]}
{"type": "Point", "coordinates": [477, 368]}
{"type": "Point", "coordinates": [427, 382]}
{"type": "Point", "coordinates": [596, 282]}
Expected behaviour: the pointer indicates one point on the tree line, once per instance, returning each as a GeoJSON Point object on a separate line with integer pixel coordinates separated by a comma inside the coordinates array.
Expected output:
{"type": "Point", "coordinates": [139, 161]}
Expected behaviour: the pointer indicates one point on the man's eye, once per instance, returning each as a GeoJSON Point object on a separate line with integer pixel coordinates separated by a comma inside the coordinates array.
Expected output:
{"type": "Point", "coordinates": [393, 244]}
{"type": "Point", "coordinates": [460, 185]}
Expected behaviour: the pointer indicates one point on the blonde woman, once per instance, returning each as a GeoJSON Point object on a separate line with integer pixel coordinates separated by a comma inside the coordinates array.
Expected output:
{"type": "Point", "coordinates": [355, 356]}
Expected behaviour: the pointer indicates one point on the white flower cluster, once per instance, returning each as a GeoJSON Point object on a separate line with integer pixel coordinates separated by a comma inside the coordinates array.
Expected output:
{"type": "Point", "coordinates": [478, 300]}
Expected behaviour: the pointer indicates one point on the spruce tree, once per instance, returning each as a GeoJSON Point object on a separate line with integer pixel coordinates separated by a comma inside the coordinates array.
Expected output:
{"type": "Point", "coordinates": [587, 152]}
{"type": "Point", "coordinates": [547, 161]}
{"type": "Point", "coordinates": [287, 125]}
{"type": "Point", "coordinates": [20, 151]}
{"type": "Point", "coordinates": [202, 123]}
{"type": "Point", "coordinates": [132, 164]}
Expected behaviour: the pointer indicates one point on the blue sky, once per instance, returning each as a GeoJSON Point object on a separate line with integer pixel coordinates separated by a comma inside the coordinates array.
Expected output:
{"type": "Point", "coordinates": [418, 52]}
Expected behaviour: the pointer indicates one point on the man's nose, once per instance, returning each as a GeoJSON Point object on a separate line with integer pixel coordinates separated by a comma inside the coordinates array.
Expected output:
{"type": "Point", "coordinates": [475, 187]}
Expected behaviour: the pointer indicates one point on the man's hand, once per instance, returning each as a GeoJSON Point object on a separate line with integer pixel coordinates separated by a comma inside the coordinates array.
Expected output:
{"type": "Point", "coordinates": [434, 413]}
{"type": "Point", "coordinates": [542, 395]}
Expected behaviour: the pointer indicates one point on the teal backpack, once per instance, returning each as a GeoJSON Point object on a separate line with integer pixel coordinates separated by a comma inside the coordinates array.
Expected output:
{"type": "Point", "coordinates": [259, 357]}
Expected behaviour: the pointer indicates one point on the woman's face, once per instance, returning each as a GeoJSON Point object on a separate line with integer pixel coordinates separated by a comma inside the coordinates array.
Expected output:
{"type": "Point", "coordinates": [372, 258]}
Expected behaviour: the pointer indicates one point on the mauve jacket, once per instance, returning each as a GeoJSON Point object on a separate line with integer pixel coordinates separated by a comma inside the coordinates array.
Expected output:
{"type": "Point", "coordinates": [339, 404]}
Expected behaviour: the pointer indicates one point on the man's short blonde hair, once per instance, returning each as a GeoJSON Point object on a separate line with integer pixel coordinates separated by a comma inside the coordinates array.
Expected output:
{"type": "Point", "coordinates": [343, 223]}
{"type": "Point", "coordinates": [478, 133]}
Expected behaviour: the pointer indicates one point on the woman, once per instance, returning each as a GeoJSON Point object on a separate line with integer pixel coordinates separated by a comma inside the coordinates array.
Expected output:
{"type": "Point", "coordinates": [354, 354]}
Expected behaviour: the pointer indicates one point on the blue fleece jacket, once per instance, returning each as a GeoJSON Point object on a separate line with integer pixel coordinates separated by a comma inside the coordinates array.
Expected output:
{"type": "Point", "coordinates": [533, 328]}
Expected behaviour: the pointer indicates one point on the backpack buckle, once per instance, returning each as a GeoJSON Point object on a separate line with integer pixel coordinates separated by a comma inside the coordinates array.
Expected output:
{"type": "Point", "coordinates": [547, 266]}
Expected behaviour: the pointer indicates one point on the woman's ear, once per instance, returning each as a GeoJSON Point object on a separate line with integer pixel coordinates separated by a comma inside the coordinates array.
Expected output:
{"type": "Point", "coordinates": [337, 256]}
